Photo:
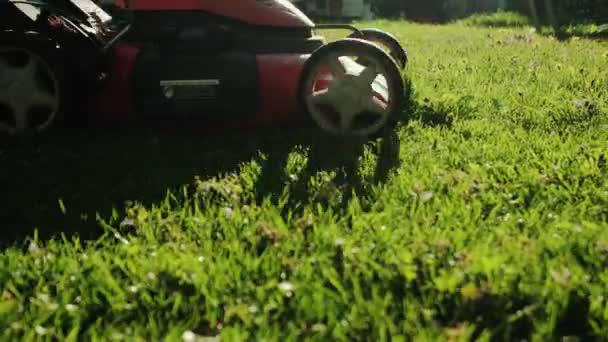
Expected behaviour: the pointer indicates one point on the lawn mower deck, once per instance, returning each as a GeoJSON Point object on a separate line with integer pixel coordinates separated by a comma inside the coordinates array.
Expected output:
{"type": "Point", "coordinates": [244, 61]}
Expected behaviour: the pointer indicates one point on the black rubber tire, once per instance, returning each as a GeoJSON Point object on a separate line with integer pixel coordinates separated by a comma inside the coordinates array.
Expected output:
{"type": "Point", "coordinates": [46, 49]}
{"type": "Point", "coordinates": [397, 52]}
{"type": "Point", "coordinates": [393, 76]}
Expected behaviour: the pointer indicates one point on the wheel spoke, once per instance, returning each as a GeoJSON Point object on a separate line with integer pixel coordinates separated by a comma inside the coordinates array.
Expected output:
{"type": "Point", "coordinates": [326, 97]}
{"type": "Point", "coordinates": [44, 99]}
{"type": "Point", "coordinates": [364, 62]}
{"type": "Point", "coordinates": [368, 75]}
{"type": "Point", "coordinates": [7, 74]}
{"type": "Point", "coordinates": [28, 72]}
{"type": "Point", "coordinates": [20, 114]}
{"type": "Point", "coordinates": [346, 122]}
{"type": "Point", "coordinates": [336, 66]}
{"type": "Point", "coordinates": [348, 112]}
{"type": "Point", "coordinates": [374, 106]}
{"type": "Point", "coordinates": [7, 101]}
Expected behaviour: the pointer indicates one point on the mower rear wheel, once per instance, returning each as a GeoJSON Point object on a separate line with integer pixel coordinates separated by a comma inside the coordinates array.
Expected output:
{"type": "Point", "coordinates": [346, 98]}
{"type": "Point", "coordinates": [30, 90]}
{"type": "Point", "coordinates": [385, 40]}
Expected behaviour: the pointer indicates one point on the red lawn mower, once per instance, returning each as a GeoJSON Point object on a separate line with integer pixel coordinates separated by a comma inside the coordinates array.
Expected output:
{"type": "Point", "coordinates": [248, 61]}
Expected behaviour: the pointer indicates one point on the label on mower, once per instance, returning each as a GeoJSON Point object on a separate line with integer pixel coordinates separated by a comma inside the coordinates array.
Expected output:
{"type": "Point", "coordinates": [189, 89]}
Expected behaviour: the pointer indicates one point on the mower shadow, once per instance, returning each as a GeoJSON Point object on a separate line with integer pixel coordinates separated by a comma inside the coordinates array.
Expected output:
{"type": "Point", "coordinates": [326, 154]}
{"type": "Point", "coordinates": [62, 183]}
{"type": "Point", "coordinates": [59, 184]}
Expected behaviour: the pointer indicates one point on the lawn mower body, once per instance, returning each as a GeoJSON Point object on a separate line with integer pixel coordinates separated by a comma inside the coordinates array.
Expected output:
{"type": "Point", "coordinates": [209, 59]}
{"type": "Point", "coordinates": [144, 83]}
{"type": "Point", "coordinates": [276, 13]}
{"type": "Point", "coordinates": [235, 60]}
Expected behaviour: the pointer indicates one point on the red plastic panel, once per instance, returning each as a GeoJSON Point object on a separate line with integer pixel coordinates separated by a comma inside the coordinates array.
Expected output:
{"type": "Point", "coordinates": [116, 98]}
{"type": "Point", "coordinates": [279, 78]}
{"type": "Point", "coordinates": [257, 12]}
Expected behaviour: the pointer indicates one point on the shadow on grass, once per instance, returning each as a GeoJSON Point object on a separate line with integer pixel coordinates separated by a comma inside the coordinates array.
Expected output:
{"type": "Point", "coordinates": [564, 36]}
{"type": "Point", "coordinates": [580, 30]}
{"type": "Point", "coordinates": [327, 154]}
{"type": "Point", "coordinates": [61, 183]}
{"type": "Point", "coordinates": [434, 116]}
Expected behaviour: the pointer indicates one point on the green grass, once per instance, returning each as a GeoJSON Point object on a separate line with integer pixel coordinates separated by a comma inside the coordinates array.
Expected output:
{"type": "Point", "coordinates": [566, 28]}
{"type": "Point", "coordinates": [587, 29]}
{"type": "Point", "coordinates": [499, 19]}
{"type": "Point", "coordinates": [484, 216]}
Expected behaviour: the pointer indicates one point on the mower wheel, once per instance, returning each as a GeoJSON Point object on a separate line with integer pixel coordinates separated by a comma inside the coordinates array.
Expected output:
{"type": "Point", "coordinates": [31, 86]}
{"type": "Point", "coordinates": [346, 98]}
{"type": "Point", "coordinates": [385, 40]}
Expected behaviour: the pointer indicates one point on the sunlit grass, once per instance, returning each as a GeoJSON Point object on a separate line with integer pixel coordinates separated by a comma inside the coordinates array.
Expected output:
{"type": "Point", "coordinates": [491, 222]}
{"type": "Point", "coordinates": [500, 19]}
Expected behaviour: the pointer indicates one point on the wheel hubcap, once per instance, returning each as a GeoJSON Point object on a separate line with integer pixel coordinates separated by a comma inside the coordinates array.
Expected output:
{"type": "Point", "coordinates": [29, 92]}
{"type": "Point", "coordinates": [357, 99]}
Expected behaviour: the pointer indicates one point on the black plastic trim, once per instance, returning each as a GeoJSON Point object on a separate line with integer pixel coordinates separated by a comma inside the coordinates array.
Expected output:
{"type": "Point", "coordinates": [337, 27]}
{"type": "Point", "coordinates": [173, 31]}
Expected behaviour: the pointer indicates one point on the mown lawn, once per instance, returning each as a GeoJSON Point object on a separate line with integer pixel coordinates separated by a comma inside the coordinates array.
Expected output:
{"type": "Point", "coordinates": [483, 216]}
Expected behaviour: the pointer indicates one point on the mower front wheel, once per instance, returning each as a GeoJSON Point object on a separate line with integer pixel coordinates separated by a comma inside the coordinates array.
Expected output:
{"type": "Point", "coordinates": [385, 40]}
{"type": "Point", "coordinates": [347, 98]}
